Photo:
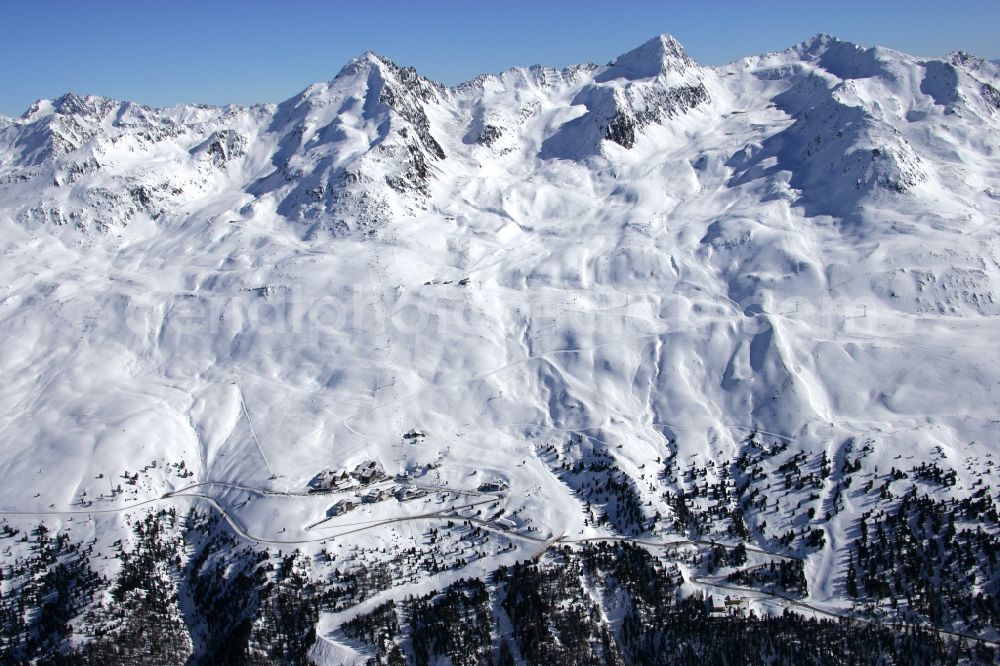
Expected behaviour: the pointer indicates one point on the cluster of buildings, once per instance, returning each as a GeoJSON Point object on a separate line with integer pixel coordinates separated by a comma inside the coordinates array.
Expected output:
{"type": "Point", "coordinates": [403, 494]}
{"type": "Point", "coordinates": [366, 472]}
{"type": "Point", "coordinates": [493, 486]}
{"type": "Point", "coordinates": [369, 472]}
{"type": "Point", "coordinates": [731, 605]}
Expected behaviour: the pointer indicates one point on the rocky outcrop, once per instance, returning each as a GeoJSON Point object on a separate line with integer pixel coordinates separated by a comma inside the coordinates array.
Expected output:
{"type": "Point", "coordinates": [222, 146]}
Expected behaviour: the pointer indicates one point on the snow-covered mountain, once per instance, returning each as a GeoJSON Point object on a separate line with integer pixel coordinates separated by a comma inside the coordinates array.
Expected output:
{"type": "Point", "coordinates": [754, 304]}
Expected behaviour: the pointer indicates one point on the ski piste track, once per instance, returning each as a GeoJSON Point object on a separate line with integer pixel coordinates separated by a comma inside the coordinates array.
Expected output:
{"type": "Point", "coordinates": [545, 543]}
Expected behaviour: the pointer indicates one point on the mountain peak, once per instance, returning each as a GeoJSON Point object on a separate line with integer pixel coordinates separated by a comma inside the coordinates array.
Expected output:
{"type": "Point", "coordinates": [816, 43]}
{"type": "Point", "coordinates": [366, 62]}
{"type": "Point", "coordinates": [370, 57]}
{"type": "Point", "coordinates": [71, 103]}
{"type": "Point", "coordinates": [659, 55]}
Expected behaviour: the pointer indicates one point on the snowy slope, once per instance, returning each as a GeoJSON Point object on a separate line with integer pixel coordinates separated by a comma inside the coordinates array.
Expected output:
{"type": "Point", "coordinates": [647, 261]}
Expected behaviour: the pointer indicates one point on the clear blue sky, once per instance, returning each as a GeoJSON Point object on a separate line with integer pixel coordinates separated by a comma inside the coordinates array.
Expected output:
{"type": "Point", "coordinates": [252, 51]}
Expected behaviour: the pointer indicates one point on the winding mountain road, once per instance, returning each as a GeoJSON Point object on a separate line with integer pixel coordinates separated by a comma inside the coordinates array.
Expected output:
{"type": "Point", "coordinates": [545, 543]}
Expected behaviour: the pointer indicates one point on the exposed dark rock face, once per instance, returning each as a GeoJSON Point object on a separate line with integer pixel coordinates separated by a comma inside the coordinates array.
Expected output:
{"type": "Point", "coordinates": [405, 95]}
{"type": "Point", "coordinates": [990, 95]}
{"type": "Point", "coordinates": [619, 114]}
{"type": "Point", "coordinates": [621, 130]}
{"type": "Point", "coordinates": [223, 146]}
{"type": "Point", "coordinates": [652, 107]}
{"type": "Point", "coordinates": [489, 135]}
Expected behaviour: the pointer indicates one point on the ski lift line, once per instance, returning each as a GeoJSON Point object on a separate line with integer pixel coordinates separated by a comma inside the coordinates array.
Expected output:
{"type": "Point", "coordinates": [556, 538]}
{"type": "Point", "coordinates": [240, 531]}
{"type": "Point", "coordinates": [389, 521]}
{"type": "Point", "coordinates": [375, 522]}
{"type": "Point", "coordinates": [80, 512]}
{"type": "Point", "coordinates": [595, 311]}
{"type": "Point", "coordinates": [947, 633]}
{"type": "Point", "coordinates": [346, 421]}
{"type": "Point", "coordinates": [346, 424]}
{"type": "Point", "coordinates": [582, 311]}
{"type": "Point", "coordinates": [652, 423]}
{"type": "Point", "coordinates": [681, 542]}
{"type": "Point", "coordinates": [253, 432]}
{"type": "Point", "coordinates": [258, 490]}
